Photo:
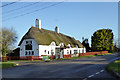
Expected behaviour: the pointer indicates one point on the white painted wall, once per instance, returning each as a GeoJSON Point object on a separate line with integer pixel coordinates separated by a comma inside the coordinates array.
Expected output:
{"type": "Point", "coordinates": [48, 48]}
{"type": "Point", "coordinates": [35, 48]}
{"type": "Point", "coordinates": [79, 50]}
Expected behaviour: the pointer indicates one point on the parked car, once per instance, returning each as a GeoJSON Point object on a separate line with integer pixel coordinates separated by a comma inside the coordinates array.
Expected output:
{"type": "Point", "coordinates": [46, 60]}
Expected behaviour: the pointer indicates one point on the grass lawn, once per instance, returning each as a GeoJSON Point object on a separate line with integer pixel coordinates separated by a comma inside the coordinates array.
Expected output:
{"type": "Point", "coordinates": [82, 57]}
{"type": "Point", "coordinates": [7, 65]}
{"type": "Point", "coordinates": [114, 66]}
{"type": "Point", "coordinates": [75, 57]}
{"type": "Point", "coordinates": [104, 54]}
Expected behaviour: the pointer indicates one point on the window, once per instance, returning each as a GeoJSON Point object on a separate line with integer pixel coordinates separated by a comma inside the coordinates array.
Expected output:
{"type": "Point", "coordinates": [29, 52]}
{"type": "Point", "coordinates": [57, 50]}
{"type": "Point", "coordinates": [75, 51]}
{"type": "Point", "coordinates": [28, 47]}
{"type": "Point", "coordinates": [69, 45]}
{"type": "Point", "coordinates": [45, 51]}
{"type": "Point", "coordinates": [76, 46]}
{"type": "Point", "coordinates": [52, 52]}
{"type": "Point", "coordinates": [26, 53]}
{"type": "Point", "coordinates": [53, 43]}
{"type": "Point", "coordinates": [48, 52]}
{"type": "Point", "coordinates": [61, 44]}
{"type": "Point", "coordinates": [32, 52]}
{"type": "Point", "coordinates": [82, 50]}
{"type": "Point", "coordinates": [70, 52]}
{"type": "Point", "coordinates": [67, 51]}
{"type": "Point", "coordinates": [26, 42]}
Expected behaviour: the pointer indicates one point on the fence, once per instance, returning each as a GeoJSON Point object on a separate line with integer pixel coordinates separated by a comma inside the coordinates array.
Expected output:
{"type": "Point", "coordinates": [93, 53]}
{"type": "Point", "coordinates": [67, 56]}
{"type": "Point", "coordinates": [31, 58]}
{"type": "Point", "coordinates": [52, 56]}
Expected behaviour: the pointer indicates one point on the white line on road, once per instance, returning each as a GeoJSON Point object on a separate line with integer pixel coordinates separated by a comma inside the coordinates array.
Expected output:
{"type": "Point", "coordinates": [93, 75]}
{"type": "Point", "coordinates": [90, 76]}
{"type": "Point", "coordinates": [97, 73]}
{"type": "Point", "coordinates": [101, 70]}
{"type": "Point", "coordinates": [115, 59]}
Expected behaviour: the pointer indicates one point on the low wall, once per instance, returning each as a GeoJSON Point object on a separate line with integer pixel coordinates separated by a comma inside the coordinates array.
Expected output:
{"type": "Point", "coordinates": [67, 56]}
{"type": "Point", "coordinates": [31, 58]}
{"type": "Point", "coordinates": [52, 56]}
{"type": "Point", "coordinates": [93, 53]}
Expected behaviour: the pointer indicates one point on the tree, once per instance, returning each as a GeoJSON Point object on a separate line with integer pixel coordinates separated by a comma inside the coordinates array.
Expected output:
{"type": "Point", "coordinates": [102, 40]}
{"type": "Point", "coordinates": [119, 42]}
{"type": "Point", "coordinates": [0, 43]}
{"type": "Point", "coordinates": [86, 45]}
{"type": "Point", "coordinates": [8, 38]}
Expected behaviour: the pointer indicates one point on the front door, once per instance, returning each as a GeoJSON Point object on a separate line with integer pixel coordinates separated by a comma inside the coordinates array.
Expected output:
{"type": "Point", "coordinates": [57, 53]}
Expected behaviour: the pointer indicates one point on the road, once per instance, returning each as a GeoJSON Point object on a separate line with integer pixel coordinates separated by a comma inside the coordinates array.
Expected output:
{"type": "Point", "coordinates": [84, 69]}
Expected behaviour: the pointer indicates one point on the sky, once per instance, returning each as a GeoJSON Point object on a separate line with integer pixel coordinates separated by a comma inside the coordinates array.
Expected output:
{"type": "Point", "coordinates": [75, 19]}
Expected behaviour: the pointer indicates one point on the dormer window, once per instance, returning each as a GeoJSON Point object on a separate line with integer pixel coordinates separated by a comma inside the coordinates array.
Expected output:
{"type": "Point", "coordinates": [53, 43]}
{"type": "Point", "coordinates": [61, 44]}
{"type": "Point", "coordinates": [76, 46]}
{"type": "Point", "coordinates": [68, 45]}
{"type": "Point", "coordinates": [28, 42]}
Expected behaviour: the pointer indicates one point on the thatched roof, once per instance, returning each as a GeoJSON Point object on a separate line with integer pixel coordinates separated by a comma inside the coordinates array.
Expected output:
{"type": "Point", "coordinates": [45, 37]}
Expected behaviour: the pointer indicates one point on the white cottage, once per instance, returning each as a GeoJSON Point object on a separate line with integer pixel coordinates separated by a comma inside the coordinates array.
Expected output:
{"type": "Point", "coordinates": [40, 42]}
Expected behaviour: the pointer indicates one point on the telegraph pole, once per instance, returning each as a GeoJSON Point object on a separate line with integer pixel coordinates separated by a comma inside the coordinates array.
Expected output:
{"type": "Point", "coordinates": [119, 24]}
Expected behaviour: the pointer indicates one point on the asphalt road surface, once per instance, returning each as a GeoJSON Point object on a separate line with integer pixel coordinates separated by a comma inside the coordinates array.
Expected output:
{"type": "Point", "coordinates": [84, 68]}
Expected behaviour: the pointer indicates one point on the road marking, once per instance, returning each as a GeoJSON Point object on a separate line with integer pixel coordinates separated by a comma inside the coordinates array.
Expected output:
{"type": "Point", "coordinates": [93, 75]}
{"type": "Point", "coordinates": [90, 76]}
{"type": "Point", "coordinates": [101, 70]}
{"type": "Point", "coordinates": [97, 73]}
{"type": "Point", "coordinates": [115, 59]}
{"type": "Point", "coordinates": [85, 79]}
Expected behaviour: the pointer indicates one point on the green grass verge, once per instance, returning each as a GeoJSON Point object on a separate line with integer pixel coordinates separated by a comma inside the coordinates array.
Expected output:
{"type": "Point", "coordinates": [75, 57]}
{"type": "Point", "coordinates": [115, 66]}
{"type": "Point", "coordinates": [103, 54]}
{"type": "Point", "coordinates": [7, 65]}
{"type": "Point", "coordinates": [82, 57]}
